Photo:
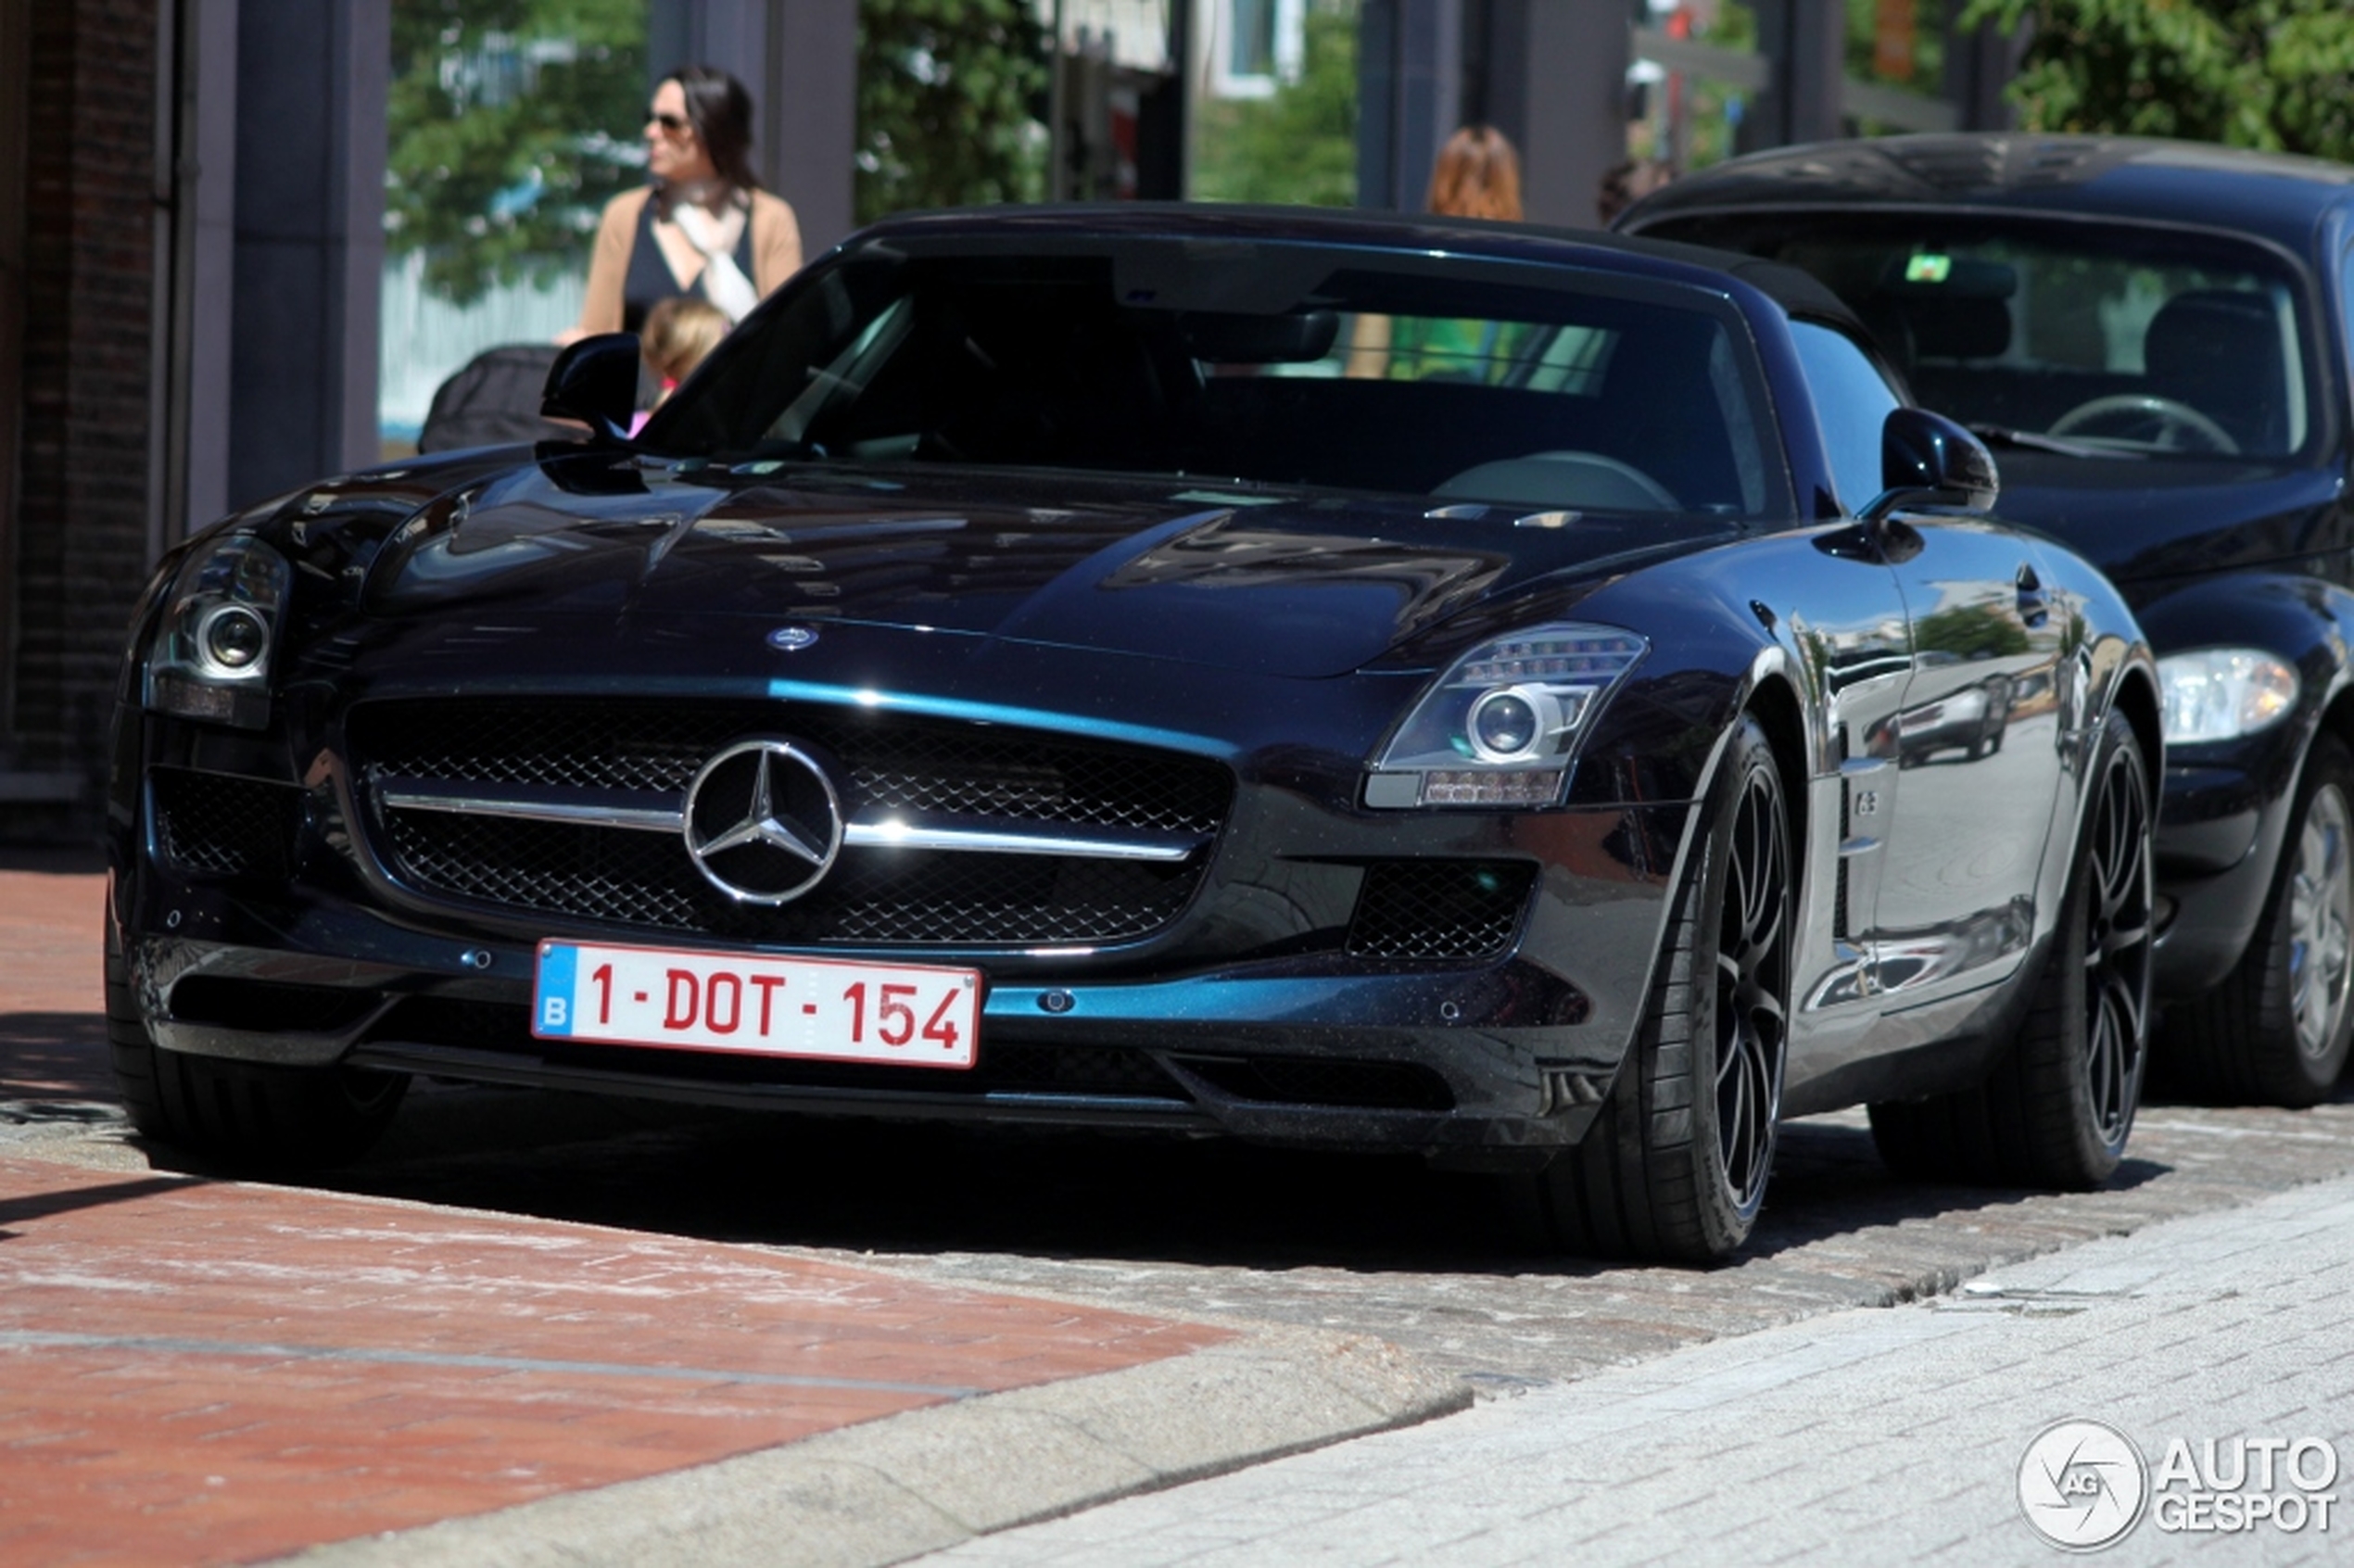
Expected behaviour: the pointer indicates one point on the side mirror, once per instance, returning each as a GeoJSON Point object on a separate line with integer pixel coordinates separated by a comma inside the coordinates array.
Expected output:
{"type": "Point", "coordinates": [595, 381]}
{"type": "Point", "coordinates": [1927, 460]}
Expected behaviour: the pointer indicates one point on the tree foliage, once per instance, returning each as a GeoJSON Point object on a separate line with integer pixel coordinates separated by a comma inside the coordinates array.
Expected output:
{"type": "Point", "coordinates": [1299, 145]}
{"type": "Point", "coordinates": [512, 123]}
{"type": "Point", "coordinates": [949, 95]}
{"type": "Point", "coordinates": [2274, 74]}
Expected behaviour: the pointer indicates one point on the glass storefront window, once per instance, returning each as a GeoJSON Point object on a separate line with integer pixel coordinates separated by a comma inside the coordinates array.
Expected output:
{"type": "Point", "coordinates": [511, 125]}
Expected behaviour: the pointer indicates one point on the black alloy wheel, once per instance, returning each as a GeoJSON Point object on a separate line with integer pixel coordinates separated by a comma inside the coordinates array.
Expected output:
{"type": "Point", "coordinates": [2056, 1110]}
{"type": "Point", "coordinates": [1675, 1166]}
{"type": "Point", "coordinates": [1753, 987]}
{"type": "Point", "coordinates": [2120, 944]}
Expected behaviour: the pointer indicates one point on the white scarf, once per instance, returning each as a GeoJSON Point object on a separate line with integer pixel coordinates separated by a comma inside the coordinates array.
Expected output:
{"type": "Point", "coordinates": [723, 283]}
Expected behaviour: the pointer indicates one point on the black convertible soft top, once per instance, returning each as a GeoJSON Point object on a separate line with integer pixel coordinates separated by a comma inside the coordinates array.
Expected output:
{"type": "Point", "coordinates": [1796, 292]}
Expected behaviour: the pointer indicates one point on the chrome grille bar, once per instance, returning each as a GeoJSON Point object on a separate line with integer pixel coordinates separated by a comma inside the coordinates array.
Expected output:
{"type": "Point", "coordinates": [651, 812]}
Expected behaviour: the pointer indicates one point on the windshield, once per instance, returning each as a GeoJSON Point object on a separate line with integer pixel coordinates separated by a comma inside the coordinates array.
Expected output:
{"type": "Point", "coordinates": [2126, 339]}
{"type": "Point", "coordinates": [1253, 364]}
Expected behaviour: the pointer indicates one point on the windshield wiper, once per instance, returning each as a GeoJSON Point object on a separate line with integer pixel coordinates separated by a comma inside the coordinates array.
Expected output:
{"type": "Point", "coordinates": [2003, 436]}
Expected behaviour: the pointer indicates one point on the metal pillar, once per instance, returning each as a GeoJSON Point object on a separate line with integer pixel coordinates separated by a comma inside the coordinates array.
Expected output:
{"type": "Point", "coordinates": [1806, 40]}
{"type": "Point", "coordinates": [1409, 84]}
{"type": "Point", "coordinates": [1979, 65]}
{"type": "Point", "coordinates": [308, 246]}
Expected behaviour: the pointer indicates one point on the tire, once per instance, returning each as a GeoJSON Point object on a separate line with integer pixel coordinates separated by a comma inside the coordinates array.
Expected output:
{"type": "Point", "coordinates": [2276, 1030]}
{"type": "Point", "coordinates": [1675, 1167]}
{"type": "Point", "coordinates": [246, 1115]}
{"type": "Point", "coordinates": [2057, 1109]}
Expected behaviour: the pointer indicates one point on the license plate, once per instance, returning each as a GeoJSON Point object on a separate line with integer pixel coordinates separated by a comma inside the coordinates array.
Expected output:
{"type": "Point", "coordinates": [826, 1009]}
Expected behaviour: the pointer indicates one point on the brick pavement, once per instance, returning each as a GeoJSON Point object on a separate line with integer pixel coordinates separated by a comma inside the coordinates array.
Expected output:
{"type": "Point", "coordinates": [1864, 1437]}
{"type": "Point", "coordinates": [203, 1372]}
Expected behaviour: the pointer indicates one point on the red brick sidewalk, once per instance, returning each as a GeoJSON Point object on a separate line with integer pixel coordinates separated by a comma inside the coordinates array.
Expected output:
{"type": "Point", "coordinates": [53, 1041]}
{"type": "Point", "coordinates": [197, 1372]}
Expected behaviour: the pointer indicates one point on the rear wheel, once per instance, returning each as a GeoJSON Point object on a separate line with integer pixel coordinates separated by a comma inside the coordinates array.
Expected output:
{"type": "Point", "coordinates": [2276, 1030]}
{"type": "Point", "coordinates": [2057, 1111]}
{"type": "Point", "coordinates": [247, 1115]}
{"type": "Point", "coordinates": [1676, 1164]}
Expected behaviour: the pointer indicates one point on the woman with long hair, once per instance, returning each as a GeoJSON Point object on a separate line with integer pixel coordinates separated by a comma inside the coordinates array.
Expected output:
{"type": "Point", "coordinates": [701, 226]}
{"type": "Point", "coordinates": [1477, 175]}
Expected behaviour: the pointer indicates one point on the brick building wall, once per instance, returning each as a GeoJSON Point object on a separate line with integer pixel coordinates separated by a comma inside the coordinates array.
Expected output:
{"type": "Point", "coordinates": [90, 217]}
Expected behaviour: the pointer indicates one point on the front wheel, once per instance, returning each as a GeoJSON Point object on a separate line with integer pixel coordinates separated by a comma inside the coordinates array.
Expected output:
{"type": "Point", "coordinates": [248, 1116]}
{"type": "Point", "coordinates": [2056, 1110]}
{"type": "Point", "coordinates": [2276, 1031]}
{"type": "Point", "coordinates": [1675, 1166]}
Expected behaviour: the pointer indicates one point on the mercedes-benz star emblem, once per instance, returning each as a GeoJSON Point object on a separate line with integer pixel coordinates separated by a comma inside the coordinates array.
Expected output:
{"type": "Point", "coordinates": [762, 821]}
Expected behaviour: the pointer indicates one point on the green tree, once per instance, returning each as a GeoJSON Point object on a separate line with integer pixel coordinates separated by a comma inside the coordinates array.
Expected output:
{"type": "Point", "coordinates": [1971, 631]}
{"type": "Point", "coordinates": [512, 123]}
{"type": "Point", "coordinates": [948, 98]}
{"type": "Point", "coordinates": [2274, 74]}
{"type": "Point", "coordinates": [1298, 146]}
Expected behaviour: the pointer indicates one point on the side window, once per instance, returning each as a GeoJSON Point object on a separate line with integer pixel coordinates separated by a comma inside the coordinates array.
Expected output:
{"type": "Point", "coordinates": [1852, 400]}
{"type": "Point", "coordinates": [2346, 312]}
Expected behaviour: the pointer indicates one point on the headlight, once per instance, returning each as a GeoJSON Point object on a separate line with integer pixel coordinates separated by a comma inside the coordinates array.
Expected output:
{"type": "Point", "coordinates": [211, 655]}
{"type": "Point", "coordinates": [1498, 728]}
{"type": "Point", "coordinates": [2222, 693]}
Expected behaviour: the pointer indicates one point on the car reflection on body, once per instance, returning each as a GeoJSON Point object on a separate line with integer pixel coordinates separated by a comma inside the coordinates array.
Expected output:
{"type": "Point", "coordinates": [1336, 682]}
{"type": "Point", "coordinates": [1971, 720]}
{"type": "Point", "coordinates": [2156, 335]}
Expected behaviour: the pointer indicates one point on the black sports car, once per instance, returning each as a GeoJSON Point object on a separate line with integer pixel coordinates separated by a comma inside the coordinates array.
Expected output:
{"type": "Point", "coordinates": [2155, 335]}
{"type": "Point", "coordinates": [1324, 681]}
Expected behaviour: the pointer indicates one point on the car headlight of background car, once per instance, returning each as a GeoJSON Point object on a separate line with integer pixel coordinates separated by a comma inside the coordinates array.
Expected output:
{"type": "Point", "coordinates": [220, 627]}
{"type": "Point", "coordinates": [1500, 727]}
{"type": "Point", "coordinates": [2222, 693]}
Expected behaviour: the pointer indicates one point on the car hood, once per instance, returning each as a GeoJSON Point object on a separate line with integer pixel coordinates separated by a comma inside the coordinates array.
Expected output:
{"type": "Point", "coordinates": [1273, 582]}
{"type": "Point", "coordinates": [2145, 518]}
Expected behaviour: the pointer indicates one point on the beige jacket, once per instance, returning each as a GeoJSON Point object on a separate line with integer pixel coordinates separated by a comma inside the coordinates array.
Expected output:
{"type": "Point", "coordinates": [776, 254]}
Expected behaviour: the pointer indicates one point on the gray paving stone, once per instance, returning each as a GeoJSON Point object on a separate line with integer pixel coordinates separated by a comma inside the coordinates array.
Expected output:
{"type": "Point", "coordinates": [1810, 1458]}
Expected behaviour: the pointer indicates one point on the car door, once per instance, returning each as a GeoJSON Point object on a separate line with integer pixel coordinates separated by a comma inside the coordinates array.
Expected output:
{"type": "Point", "coordinates": [1955, 787]}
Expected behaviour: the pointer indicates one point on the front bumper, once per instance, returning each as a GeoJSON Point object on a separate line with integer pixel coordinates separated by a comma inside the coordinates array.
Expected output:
{"type": "Point", "coordinates": [1491, 1059]}
{"type": "Point", "coordinates": [2218, 842]}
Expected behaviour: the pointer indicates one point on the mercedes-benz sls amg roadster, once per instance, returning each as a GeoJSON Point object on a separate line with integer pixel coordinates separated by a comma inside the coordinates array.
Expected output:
{"type": "Point", "coordinates": [1458, 689]}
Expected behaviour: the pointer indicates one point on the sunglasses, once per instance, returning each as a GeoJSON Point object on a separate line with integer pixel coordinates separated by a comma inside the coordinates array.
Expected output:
{"type": "Point", "coordinates": [674, 123]}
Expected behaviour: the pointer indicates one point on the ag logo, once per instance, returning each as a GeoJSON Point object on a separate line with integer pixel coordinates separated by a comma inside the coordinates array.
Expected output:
{"type": "Point", "coordinates": [2082, 1484]}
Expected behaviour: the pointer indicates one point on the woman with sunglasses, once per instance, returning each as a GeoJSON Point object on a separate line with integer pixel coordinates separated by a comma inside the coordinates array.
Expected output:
{"type": "Point", "coordinates": [703, 226]}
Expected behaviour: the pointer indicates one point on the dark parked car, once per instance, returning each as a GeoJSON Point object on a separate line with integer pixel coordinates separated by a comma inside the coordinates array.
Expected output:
{"type": "Point", "coordinates": [2155, 336]}
{"type": "Point", "coordinates": [1369, 685]}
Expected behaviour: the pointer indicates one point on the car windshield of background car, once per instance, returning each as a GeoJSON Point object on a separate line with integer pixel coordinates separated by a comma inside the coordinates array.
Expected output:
{"type": "Point", "coordinates": [2127, 338]}
{"type": "Point", "coordinates": [1573, 389]}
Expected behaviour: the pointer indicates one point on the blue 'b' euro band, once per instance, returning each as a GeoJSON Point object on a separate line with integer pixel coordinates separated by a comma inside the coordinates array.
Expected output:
{"type": "Point", "coordinates": [556, 965]}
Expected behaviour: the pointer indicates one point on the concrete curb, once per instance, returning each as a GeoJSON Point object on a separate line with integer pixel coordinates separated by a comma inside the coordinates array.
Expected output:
{"type": "Point", "coordinates": [878, 1493]}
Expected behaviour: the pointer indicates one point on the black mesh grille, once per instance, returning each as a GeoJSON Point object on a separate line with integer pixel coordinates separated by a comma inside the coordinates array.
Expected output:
{"type": "Point", "coordinates": [1005, 1069]}
{"type": "Point", "coordinates": [222, 826]}
{"type": "Point", "coordinates": [873, 896]}
{"type": "Point", "coordinates": [1308, 1081]}
{"type": "Point", "coordinates": [1439, 908]}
